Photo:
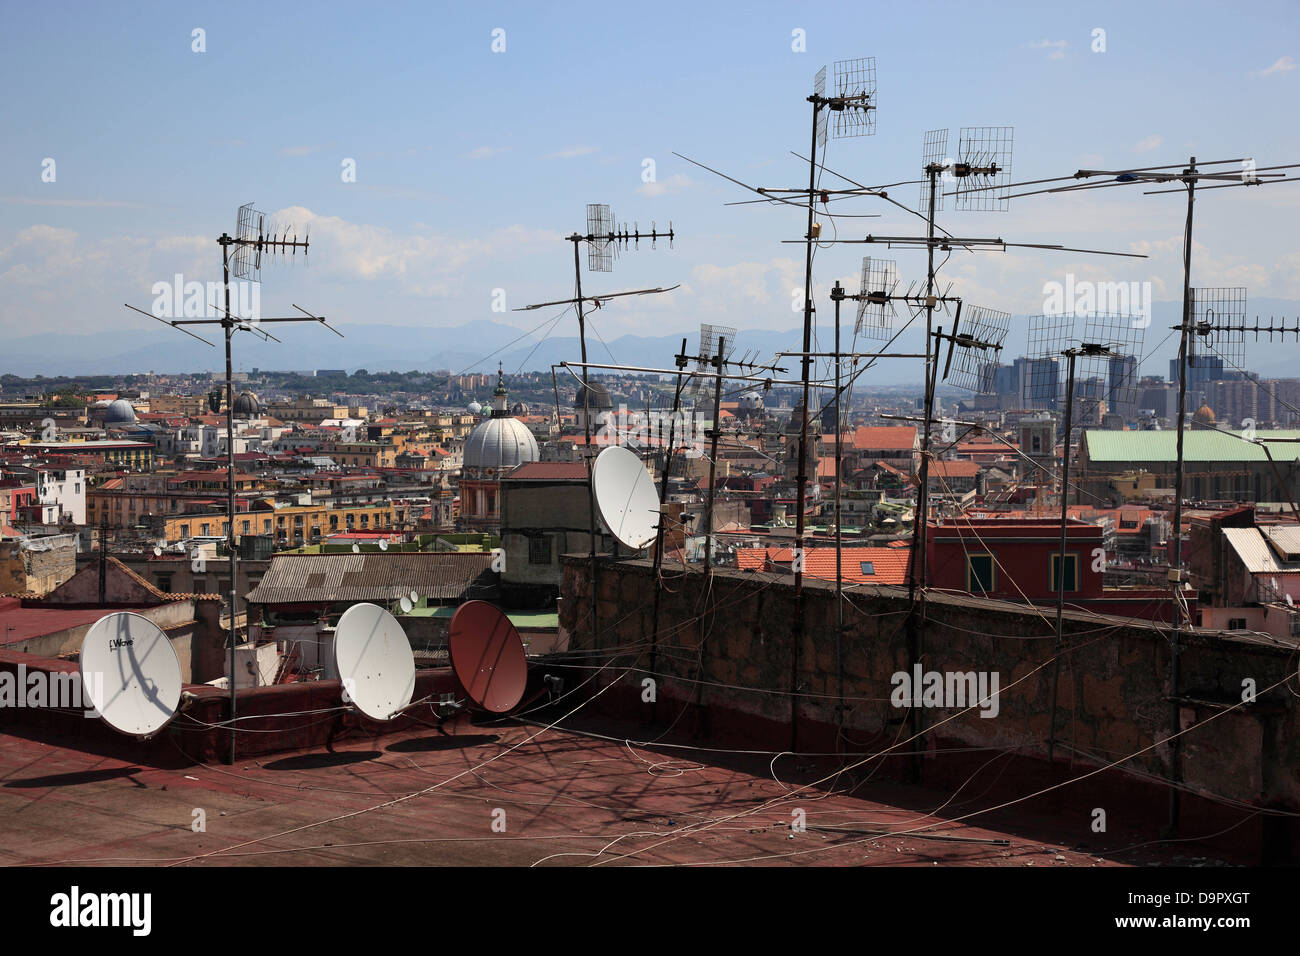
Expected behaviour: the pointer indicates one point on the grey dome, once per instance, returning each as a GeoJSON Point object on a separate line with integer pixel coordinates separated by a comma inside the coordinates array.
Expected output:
{"type": "Point", "coordinates": [501, 444]}
{"type": "Point", "coordinates": [120, 412]}
{"type": "Point", "coordinates": [519, 408]}
{"type": "Point", "coordinates": [475, 408]}
{"type": "Point", "coordinates": [247, 405]}
{"type": "Point", "coordinates": [751, 400]}
{"type": "Point", "coordinates": [599, 400]}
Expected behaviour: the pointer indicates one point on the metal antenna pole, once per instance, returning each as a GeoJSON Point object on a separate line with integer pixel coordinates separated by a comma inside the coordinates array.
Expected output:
{"type": "Point", "coordinates": [801, 476]}
{"type": "Point", "coordinates": [586, 423]}
{"type": "Point", "coordinates": [837, 294]}
{"type": "Point", "coordinates": [228, 327]}
{"type": "Point", "coordinates": [1176, 565]}
{"type": "Point", "coordinates": [713, 458]}
{"type": "Point", "coordinates": [659, 534]}
{"type": "Point", "coordinates": [1060, 558]}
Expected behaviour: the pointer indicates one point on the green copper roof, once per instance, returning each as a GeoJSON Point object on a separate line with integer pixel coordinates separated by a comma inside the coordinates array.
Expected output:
{"type": "Point", "coordinates": [1198, 445]}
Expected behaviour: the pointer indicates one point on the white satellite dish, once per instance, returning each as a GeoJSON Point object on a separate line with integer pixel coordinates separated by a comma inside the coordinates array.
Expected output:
{"type": "Point", "coordinates": [356, 549]}
{"type": "Point", "coordinates": [383, 544]}
{"type": "Point", "coordinates": [157, 551]}
{"type": "Point", "coordinates": [1289, 602]}
{"type": "Point", "coordinates": [373, 658]}
{"type": "Point", "coordinates": [415, 597]}
{"type": "Point", "coordinates": [130, 673]}
{"type": "Point", "coordinates": [405, 604]}
{"type": "Point", "coordinates": [625, 497]}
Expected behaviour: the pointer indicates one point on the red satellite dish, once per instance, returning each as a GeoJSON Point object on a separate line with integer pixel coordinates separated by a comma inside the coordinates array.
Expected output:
{"type": "Point", "coordinates": [487, 656]}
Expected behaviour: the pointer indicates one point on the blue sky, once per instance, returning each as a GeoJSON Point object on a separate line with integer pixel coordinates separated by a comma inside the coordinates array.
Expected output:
{"type": "Point", "coordinates": [471, 165]}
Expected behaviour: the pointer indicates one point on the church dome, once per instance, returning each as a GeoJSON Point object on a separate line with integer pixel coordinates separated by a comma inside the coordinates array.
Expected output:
{"type": "Point", "coordinates": [1204, 415]}
{"type": "Point", "coordinates": [247, 405]}
{"type": "Point", "coordinates": [519, 408]}
{"type": "Point", "coordinates": [475, 408]}
{"type": "Point", "coordinates": [599, 399]}
{"type": "Point", "coordinates": [120, 412]}
{"type": "Point", "coordinates": [501, 443]}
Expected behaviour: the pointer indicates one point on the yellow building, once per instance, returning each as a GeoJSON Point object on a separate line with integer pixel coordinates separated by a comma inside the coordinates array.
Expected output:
{"type": "Point", "coordinates": [292, 525]}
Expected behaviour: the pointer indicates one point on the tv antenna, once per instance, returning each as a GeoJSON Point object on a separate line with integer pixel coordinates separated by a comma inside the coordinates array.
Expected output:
{"type": "Point", "coordinates": [1188, 178]}
{"type": "Point", "coordinates": [487, 657]}
{"type": "Point", "coordinates": [241, 255]}
{"type": "Point", "coordinates": [1108, 356]}
{"type": "Point", "coordinates": [626, 498]}
{"type": "Point", "coordinates": [605, 240]}
{"type": "Point", "coordinates": [131, 674]}
{"type": "Point", "coordinates": [375, 664]}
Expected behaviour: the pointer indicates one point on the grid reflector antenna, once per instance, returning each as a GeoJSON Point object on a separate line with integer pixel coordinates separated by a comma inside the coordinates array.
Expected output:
{"type": "Point", "coordinates": [876, 316]}
{"type": "Point", "coordinates": [855, 80]}
{"type": "Point", "coordinates": [985, 153]}
{"type": "Point", "coordinates": [1040, 382]}
{"type": "Point", "coordinates": [819, 90]}
{"type": "Point", "coordinates": [975, 353]}
{"type": "Point", "coordinates": [934, 151]}
{"type": "Point", "coordinates": [600, 242]}
{"type": "Point", "coordinates": [1220, 315]}
{"type": "Point", "coordinates": [709, 336]}
{"type": "Point", "coordinates": [1113, 377]}
{"type": "Point", "coordinates": [247, 260]}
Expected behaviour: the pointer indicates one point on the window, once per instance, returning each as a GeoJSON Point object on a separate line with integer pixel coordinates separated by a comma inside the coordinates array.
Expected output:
{"type": "Point", "coordinates": [245, 527]}
{"type": "Point", "coordinates": [206, 529]}
{"type": "Point", "coordinates": [539, 549]}
{"type": "Point", "coordinates": [868, 567]}
{"type": "Point", "coordinates": [1071, 573]}
{"type": "Point", "coordinates": [981, 574]}
{"type": "Point", "coordinates": [1236, 624]}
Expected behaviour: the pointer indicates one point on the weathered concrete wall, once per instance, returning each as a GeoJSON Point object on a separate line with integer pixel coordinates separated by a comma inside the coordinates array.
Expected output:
{"type": "Point", "coordinates": [1113, 697]}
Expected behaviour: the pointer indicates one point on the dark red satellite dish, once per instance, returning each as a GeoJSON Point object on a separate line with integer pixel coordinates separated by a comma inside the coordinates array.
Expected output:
{"type": "Point", "coordinates": [487, 656]}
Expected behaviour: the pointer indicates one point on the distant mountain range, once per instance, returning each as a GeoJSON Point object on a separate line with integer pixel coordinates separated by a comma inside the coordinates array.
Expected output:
{"type": "Point", "coordinates": [480, 345]}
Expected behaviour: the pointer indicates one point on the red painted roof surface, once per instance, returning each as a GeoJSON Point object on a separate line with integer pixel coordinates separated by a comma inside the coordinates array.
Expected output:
{"type": "Point", "coordinates": [108, 802]}
{"type": "Point", "coordinates": [954, 469]}
{"type": "Point", "coordinates": [18, 623]}
{"type": "Point", "coordinates": [889, 564]}
{"type": "Point", "coordinates": [894, 437]}
{"type": "Point", "coordinates": [550, 471]}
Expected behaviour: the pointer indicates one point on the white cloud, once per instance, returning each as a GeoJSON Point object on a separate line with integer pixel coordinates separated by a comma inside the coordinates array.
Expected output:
{"type": "Point", "coordinates": [1057, 48]}
{"type": "Point", "coordinates": [485, 152]}
{"type": "Point", "coordinates": [572, 152]}
{"type": "Point", "coordinates": [1283, 64]}
{"type": "Point", "coordinates": [673, 184]}
{"type": "Point", "coordinates": [1149, 143]}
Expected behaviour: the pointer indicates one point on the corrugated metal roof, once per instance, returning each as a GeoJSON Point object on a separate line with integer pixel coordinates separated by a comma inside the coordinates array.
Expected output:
{"type": "Point", "coordinates": [1285, 539]}
{"type": "Point", "coordinates": [1198, 445]}
{"type": "Point", "coordinates": [1253, 550]}
{"type": "Point", "coordinates": [440, 575]}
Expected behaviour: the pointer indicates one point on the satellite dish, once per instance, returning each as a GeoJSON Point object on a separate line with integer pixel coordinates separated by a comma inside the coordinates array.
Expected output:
{"type": "Point", "coordinates": [625, 497]}
{"type": "Point", "coordinates": [405, 604]}
{"type": "Point", "coordinates": [130, 673]}
{"type": "Point", "coordinates": [1289, 602]}
{"type": "Point", "coordinates": [383, 544]}
{"type": "Point", "coordinates": [487, 656]}
{"type": "Point", "coordinates": [373, 658]}
{"type": "Point", "coordinates": [415, 597]}
{"type": "Point", "coordinates": [157, 551]}
{"type": "Point", "coordinates": [356, 549]}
